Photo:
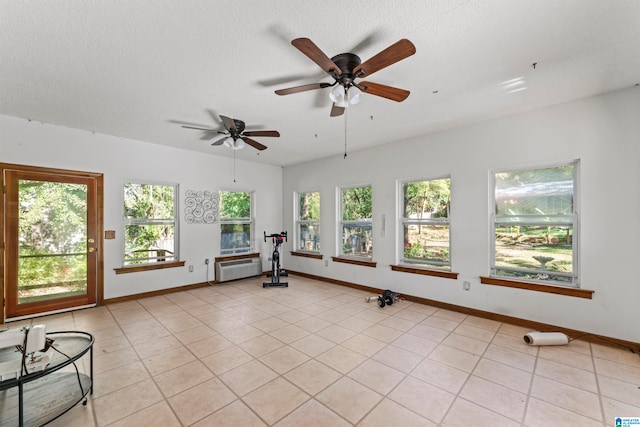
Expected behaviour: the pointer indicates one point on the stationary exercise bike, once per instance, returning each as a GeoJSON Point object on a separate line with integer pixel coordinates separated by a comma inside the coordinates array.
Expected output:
{"type": "Point", "coordinates": [276, 240]}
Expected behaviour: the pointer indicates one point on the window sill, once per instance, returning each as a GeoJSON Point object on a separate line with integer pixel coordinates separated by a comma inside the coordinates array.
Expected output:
{"type": "Point", "coordinates": [148, 267]}
{"type": "Point", "coordinates": [354, 261]}
{"type": "Point", "coordinates": [560, 290]}
{"type": "Point", "coordinates": [306, 254]}
{"type": "Point", "coordinates": [234, 257]}
{"type": "Point", "coordinates": [425, 271]}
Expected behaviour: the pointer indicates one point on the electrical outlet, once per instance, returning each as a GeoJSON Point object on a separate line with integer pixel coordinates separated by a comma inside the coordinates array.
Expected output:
{"type": "Point", "coordinates": [191, 269]}
{"type": "Point", "coordinates": [206, 261]}
{"type": "Point", "coordinates": [326, 263]}
{"type": "Point", "coordinates": [466, 285]}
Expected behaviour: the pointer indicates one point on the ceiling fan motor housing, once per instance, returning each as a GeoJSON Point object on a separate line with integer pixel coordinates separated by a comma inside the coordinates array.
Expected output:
{"type": "Point", "coordinates": [346, 62]}
{"type": "Point", "coordinates": [239, 126]}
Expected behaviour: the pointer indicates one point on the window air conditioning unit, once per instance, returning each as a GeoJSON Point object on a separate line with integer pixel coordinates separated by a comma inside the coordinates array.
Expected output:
{"type": "Point", "coordinates": [238, 269]}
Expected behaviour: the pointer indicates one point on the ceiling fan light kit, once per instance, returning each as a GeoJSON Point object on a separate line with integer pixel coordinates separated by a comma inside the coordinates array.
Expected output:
{"type": "Point", "coordinates": [344, 97]}
{"type": "Point", "coordinates": [337, 94]}
{"type": "Point", "coordinates": [234, 144]}
{"type": "Point", "coordinates": [355, 95]}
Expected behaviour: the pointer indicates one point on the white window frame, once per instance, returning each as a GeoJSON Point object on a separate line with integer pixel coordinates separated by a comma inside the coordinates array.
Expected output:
{"type": "Point", "coordinates": [362, 222]}
{"type": "Point", "coordinates": [402, 221]}
{"type": "Point", "coordinates": [250, 220]}
{"type": "Point", "coordinates": [301, 222]}
{"type": "Point", "coordinates": [544, 219]}
{"type": "Point", "coordinates": [175, 221]}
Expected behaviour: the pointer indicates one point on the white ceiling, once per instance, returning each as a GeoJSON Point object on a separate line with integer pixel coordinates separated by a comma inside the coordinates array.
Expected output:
{"type": "Point", "coordinates": [140, 68]}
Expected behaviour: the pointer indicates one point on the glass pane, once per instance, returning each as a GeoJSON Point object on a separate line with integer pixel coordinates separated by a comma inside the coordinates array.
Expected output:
{"type": "Point", "coordinates": [149, 243]}
{"type": "Point", "coordinates": [535, 192]}
{"type": "Point", "coordinates": [53, 240]}
{"type": "Point", "coordinates": [356, 203]}
{"type": "Point", "coordinates": [309, 237]}
{"type": "Point", "coordinates": [309, 206]}
{"type": "Point", "coordinates": [427, 199]}
{"type": "Point", "coordinates": [427, 244]}
{"type": "Point", "coordinates": [146, 201]}
{"type": "Point", "coordinates": [538, 251]}
{"type": "Point", "coordinates": [356, 240]}
{"type": "Point", "coordinates": [235, 204]}
{"type": "Point", "coordinates": [537, 219]}
{"type": "Point", "coordinates": [235, 238]}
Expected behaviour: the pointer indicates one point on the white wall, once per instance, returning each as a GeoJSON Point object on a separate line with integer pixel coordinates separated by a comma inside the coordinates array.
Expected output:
{"type": "Point", "coordinates": [119, 159]}
{"type": "Point", "coordinates": [602, 132]}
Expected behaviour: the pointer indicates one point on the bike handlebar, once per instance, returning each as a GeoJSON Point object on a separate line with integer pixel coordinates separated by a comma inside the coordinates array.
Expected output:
{"type": "Point", "coordinates": [276, 237]}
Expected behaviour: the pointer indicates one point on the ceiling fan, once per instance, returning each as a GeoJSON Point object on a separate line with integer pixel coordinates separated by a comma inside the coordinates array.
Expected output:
{"type": "Point", "coordinates": [235, 135]}
{"type": "Point", "coordinates": [345, 68]}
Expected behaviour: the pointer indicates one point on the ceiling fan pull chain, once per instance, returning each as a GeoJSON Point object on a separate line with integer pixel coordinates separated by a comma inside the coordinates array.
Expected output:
{"type": "Point", "coordinates": [234, 165]}
{"type": "Point", "coordinates": [346, 113]}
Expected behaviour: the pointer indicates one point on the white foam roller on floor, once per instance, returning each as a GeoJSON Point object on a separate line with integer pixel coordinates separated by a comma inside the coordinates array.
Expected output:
{"type": "Point", "coordinates": [546, 338]}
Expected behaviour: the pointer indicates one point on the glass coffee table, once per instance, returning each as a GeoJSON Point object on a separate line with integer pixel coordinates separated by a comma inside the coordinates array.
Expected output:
{"type": "Point", "coordinates": [40, 397]}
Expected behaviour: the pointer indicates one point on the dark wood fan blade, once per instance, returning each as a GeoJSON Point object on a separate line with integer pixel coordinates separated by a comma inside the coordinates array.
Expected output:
{"type": "Point", "coordinates": [389, 92]}
{"type": "Point", "coordinates": [273, 133]}
{"type": "Point", "coordinates": [229, 124]}
{"type": "Point", "coordinates": [336, 111]}
{"type": "Point", "coordinates": [220, 141]}
{"type": "Point", "coordinates": [394, 53]}
{"type": "Point", "coordinates": [314, 53]}
{"type": "Point", "coordinates": [254, 144]}
{"type": "Point", "coordinates": [302, 88]}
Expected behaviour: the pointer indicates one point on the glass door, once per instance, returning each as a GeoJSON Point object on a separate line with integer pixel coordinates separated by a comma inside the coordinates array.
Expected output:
{"type": "Point", "coordinates": [51, 235]}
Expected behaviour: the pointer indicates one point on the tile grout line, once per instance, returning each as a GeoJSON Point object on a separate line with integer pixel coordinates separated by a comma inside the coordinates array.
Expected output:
{"type": "Point", "coordinates": [533, 376]}
{"type": "Point", "coordinates": [143, 364]}
{"type": "Point", "coordinates": [238, 397]}
{"type": "Point", "coordinates": [90, 400]}
{"type": "Point", "coordinates": [603, 413]}
{"type": "Point", "coordinates": [469, 375]}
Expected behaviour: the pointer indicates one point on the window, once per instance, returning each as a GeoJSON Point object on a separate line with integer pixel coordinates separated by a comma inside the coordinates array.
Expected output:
{"type": "Point", "coordinates": [151, 223]}
{"type": "Point", "coordinates": [236, 223]}
{"type": "Point", "coordinates": [355, 222]}
{"type": "Point", "coordinates": [424, 221]}
{"type": "Point", "coordinates": [534, 225]}
{"type": "Point", "coordinates": [308, 222]}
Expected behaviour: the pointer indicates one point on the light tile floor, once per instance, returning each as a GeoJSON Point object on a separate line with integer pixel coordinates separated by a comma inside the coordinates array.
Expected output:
{"type": "Point", "coordinates": [316, 354]}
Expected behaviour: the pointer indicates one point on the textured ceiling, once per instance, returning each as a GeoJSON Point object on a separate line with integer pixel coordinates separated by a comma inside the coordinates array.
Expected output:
{"type": "Point", "coordinates": [140, 68]}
